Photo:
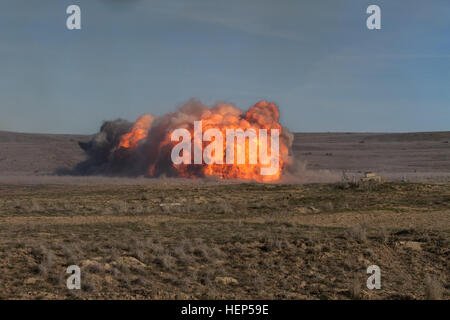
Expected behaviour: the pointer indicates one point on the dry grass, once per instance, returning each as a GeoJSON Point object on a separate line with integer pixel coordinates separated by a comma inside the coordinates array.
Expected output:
{"type": "Point", "coordinates": [355, 288]}
{"type": "Point", "coordinates": [358, 233]}
{"type": "Point", "coordinates": [433, 289]}
{"type": "Point", "coordinates": [245, 241]}
{"type": "Point", "coordinates": [45, 259]}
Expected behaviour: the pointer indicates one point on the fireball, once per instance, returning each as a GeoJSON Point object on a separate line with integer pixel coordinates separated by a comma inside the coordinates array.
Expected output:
{"type": "Point", "coordinates": [151, 138]}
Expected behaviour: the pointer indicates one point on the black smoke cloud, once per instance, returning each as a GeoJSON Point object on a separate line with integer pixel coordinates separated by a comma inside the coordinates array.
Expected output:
{"type": "Point", "coordinates": [100, 158]}
{"type": "Point", "coordinates": [104, 158]}
{"type": "Point", "coordinates": [151, 156]}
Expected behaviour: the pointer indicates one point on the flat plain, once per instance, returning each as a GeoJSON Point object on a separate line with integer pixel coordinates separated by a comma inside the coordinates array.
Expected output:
{"type": "Point", "coordinates": [312, 238]}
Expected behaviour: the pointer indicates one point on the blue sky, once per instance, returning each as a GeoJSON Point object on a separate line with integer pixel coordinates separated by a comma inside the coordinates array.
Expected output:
{"type": "Point", "coordinates": [316, 59]}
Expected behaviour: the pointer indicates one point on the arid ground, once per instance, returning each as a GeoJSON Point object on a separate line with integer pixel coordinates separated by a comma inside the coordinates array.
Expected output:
{"type": "Point", "coordinates": [312, 237]}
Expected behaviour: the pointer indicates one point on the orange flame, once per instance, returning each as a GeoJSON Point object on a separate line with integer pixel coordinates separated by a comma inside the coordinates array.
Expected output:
{"type": "Point", "coordinates": [137, 133]}
{"type": "Point", "coordinates": [262, 115]}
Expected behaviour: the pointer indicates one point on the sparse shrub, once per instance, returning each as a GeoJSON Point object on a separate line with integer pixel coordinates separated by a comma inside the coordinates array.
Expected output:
{"type": "Point", "coordinates": [243, 207]}
{"type": "Point", "coordinates": [72, 253]}
{"type": "Point", "coordinates": [124, 280]}
{"type": "Point", "coordinates": [188, 250]}
{"type": "Point", "coordinates": [57, 279]}
{"type": "Point", "coordinates": [288, 224]}
{"type": "Point", "coordinates": [179, 282]}
{"type": "Point", "coordinates": [154, 247]}
{"type": "Point", "coordinates": [433, 289]}
{"type": "Point", "coordinates": [139, 281]}
{"type": "Point", "coordinates": [238, 248]}
{"type": "Point", "coordinates": [212, 252]}
{"type": "Point", "coordinates": [139, 254]}
{"type": "Point", "coordinates": [115, 272]}
{"type": "Point", "coordinates": [114, 255]}
{"type": "Point", "coordinates": [355, 289]}
{"type": "Point", "coordinates": [326, 206]}
{"type": "Point", "coordinates": [187, 245]}
{"type": "Point", "coordinates": [137, 208]}
{"type": "Point", "coordinates": [139, 248]}
{"type": "Point", "coordinates": [34, 206]}
{"type": "Point", "coordinates": [216, 252]}
{"type": "Point", "coordinates": [270, 221]}
{"type": "Point", "coordinates": [201, 252]}
{"type": "Point", "coordinates": [183, 258]}
{"type": "Point", "coordinates": [358, 233]}
{"type": "Point", "coordinates": [94, 268]}
{"type": "Point", "coordinates": [205, 277]}
{"type": "Point", "coordinates": [223, 207]}
{"type": "Point", "coordinates": [346, 185]}
{"type": "Point", "coordinates": [384, 235]}
{"type": "Point", "coordinates": [122, 267]}
{"type": "Point", "coordinates": [165, 261]}
{"type": "Point", "coordinates": [119, 206]}
{"type": "Point", "coordinates": [274, 244]}
{"type": "Point", "coordinates": [258, 282]}
{"type": "Point", "coordinates": [68, 206]}
{"type": "Point", "coordinates": [45, 259]}
{"type": "Point", "coordinates": [145, 196]}
{"type": "Point", "coordinates": [310, 250]}
{"type": "Point", "coordinates": [88, 284]}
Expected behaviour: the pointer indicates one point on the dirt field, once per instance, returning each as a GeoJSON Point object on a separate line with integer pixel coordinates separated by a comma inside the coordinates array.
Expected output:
{"type": "Point", "coordinates": [207, 240]}
{"type": "Point", "coordinates": [171, 238]}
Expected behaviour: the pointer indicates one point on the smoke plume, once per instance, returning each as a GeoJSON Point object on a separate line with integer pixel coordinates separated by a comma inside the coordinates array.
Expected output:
{"type": "Point", "coordinates": [144, 148]}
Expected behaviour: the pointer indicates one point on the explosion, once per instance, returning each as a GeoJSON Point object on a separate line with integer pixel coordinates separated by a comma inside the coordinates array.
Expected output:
{"type": "Point", "coordinates": [138, 132]}
{"type": "Point", "coordinates": [145, 147]}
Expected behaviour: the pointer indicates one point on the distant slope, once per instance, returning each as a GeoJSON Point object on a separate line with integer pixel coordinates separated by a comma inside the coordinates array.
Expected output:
{"type": "Point", "coordinates": [393, 153]}
{"type": "Point", "coordinates": [30, 153]}
{"type": "Point", "coordinates": [388, 153]}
